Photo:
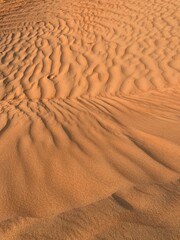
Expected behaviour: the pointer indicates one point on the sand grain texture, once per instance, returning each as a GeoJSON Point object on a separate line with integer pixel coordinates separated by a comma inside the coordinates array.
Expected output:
{"type": "Point", "coordinates": [89, 119]}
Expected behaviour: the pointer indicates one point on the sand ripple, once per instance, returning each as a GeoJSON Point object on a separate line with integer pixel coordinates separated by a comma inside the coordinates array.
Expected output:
{"type": "Point", "coordinates": [89, 119]}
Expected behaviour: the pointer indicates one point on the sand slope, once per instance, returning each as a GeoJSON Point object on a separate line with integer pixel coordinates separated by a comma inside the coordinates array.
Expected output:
{"type": "Point", "coordinates": [89, 119]}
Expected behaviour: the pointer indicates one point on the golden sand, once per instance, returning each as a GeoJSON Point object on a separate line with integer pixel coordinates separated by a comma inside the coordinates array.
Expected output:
{"type": "Point", "coordinates": [89, 120]}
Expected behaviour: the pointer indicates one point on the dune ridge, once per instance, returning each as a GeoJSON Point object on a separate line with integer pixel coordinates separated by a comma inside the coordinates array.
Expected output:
{"type": "Point", "coordinates": [89, 119]}
{"type": "Point", "coordinates": [117, 217]}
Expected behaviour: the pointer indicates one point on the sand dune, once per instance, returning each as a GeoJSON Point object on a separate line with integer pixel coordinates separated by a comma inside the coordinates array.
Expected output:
{"type": "Point", "coordinates": [116, 217]}
{"type": "Point", "coordinates": [87, 48]}
{"type": "Point", "coordinates": [89, 119]}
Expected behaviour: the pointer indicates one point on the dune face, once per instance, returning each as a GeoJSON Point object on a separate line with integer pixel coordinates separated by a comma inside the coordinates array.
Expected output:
{"type": "Point", "coordinates": [89, 119]}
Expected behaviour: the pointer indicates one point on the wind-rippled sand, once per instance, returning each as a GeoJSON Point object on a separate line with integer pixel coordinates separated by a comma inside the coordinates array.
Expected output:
{"type": "Point", "coordinates": [89, 120]}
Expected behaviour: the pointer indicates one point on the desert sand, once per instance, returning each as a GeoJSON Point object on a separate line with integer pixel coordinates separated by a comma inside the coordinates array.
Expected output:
{"type": "Point", "coordinates": [89, 119]}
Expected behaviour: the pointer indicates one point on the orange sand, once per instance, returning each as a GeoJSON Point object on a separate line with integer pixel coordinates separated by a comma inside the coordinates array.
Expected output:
{"type": "Point", "coordinates": [89, 120]}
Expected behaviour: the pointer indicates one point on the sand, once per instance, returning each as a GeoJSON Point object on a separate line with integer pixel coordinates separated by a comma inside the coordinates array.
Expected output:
{"type": "Point", "coordinates": [89, 119]}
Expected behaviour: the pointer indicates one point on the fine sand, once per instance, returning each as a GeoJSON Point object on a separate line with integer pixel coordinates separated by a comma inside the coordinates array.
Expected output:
{"type": "Point", "coordinates": [89, 120]}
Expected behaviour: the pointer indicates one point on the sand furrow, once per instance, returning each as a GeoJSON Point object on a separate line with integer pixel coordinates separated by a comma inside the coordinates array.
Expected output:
{"type": "Point", "coordinates": [137, 65]}
{"type": "Point", "coordinates": [59, 128]}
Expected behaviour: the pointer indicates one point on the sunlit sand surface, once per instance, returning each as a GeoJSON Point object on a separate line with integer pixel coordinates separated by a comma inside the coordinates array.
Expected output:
{"type": "Point", "coordinates": [89, 120]}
